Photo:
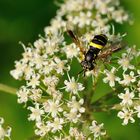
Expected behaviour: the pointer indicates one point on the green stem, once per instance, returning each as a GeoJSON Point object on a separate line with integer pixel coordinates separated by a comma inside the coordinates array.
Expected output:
{"type": "Point", "coordinates": [8, 89]}
{"type": "Point", "coordinates": [106, 108]}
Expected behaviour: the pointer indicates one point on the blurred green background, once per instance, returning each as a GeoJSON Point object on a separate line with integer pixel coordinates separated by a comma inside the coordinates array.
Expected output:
{"type": "Point", "coordinates": [23, 20]}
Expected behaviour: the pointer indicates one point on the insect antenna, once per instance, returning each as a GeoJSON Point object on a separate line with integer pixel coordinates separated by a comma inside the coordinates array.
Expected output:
{"type": "Point", "coordinates": [81, 72]}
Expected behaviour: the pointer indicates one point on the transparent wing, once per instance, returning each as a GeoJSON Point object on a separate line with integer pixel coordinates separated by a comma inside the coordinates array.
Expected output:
{"type": "Point", "coordinates": [109, 50]}
{"type": "Point", "coordinates": [74, 38]}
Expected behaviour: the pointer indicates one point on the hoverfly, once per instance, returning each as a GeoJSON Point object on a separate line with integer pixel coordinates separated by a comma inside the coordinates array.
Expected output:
{"type": "Point", "coordinates": [97, 50]}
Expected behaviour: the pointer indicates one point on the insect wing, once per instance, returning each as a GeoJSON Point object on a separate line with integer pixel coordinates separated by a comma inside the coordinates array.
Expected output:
{"type": "Point", "coordinates": [76, 40]}
{"type": "Point", "coordinates": [107, 52]}
{"type": "Point", "coordinates": [74, 37]}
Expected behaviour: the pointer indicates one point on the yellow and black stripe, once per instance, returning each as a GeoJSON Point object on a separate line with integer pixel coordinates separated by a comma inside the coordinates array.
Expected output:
{"type": "Point", "coordinates": [99, 41]}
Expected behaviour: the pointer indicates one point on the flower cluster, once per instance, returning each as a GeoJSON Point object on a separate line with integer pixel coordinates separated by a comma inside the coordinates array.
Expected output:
{"type": "Point", "coordinates": [42, 68]}
{"type": "Point", "coordinates": [129, 81]}
{"type": "Point", "coordinates": [90, 13]}
{"type": "Point", "coordinates": [4, 132]}
{"type": "Point", "coordinates": [59, 103]}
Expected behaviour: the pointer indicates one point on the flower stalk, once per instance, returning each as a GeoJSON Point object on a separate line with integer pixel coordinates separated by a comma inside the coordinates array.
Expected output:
{"type": "Point", "coordinates": [8, 89]}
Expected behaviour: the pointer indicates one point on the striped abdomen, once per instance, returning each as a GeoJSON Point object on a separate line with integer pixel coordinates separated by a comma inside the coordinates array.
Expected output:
{"type": "Point", "coordinates": [96, 44]}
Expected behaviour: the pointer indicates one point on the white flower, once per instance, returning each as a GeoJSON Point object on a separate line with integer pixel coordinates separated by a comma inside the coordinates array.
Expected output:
{"type": "Point", "coordinates": [39, 44]}
{"type": "Point", "coordinates": [126, 115]}
{"type": "Point", "coordinates": [57, 124]}
{"type": "Point", "coordinates": [52, 107]}
{"type": "Point", "coordinates": [76, 134]}
{"type": "Point", "coordinates": [4, 132]}
{"type": "Point", "coordinates": [72, 116]}
{"type": "Point", "coordinates": [128, 79]}
{"type": "Point", "coordinates": [124, 62]}
{"type": "Point", "coordinates": [54, 92]}
{"type": "Point", "coordinates": [56, 24]}
{"type": "Point", "coordinates": [120, 15]}
{"type": "Point", "coordinates": [60, 65]}
{"type": "Point", "coordinates": [34, 81]}
{"type": "Point", "coordinates": [72, 86]}
{"type": "Point", "coordinates": [111, 78]}
{"type": "Point", "coordinates": [102, 6]}
{"type": "Point", "coordinates": [76, 105]}
{"type": "Point", "coordinates": [83, 19]}
{"type": "Point", "coordinates": [51, 46]}
{"type": "Point", "coordinates": [28, 72]}
{"type": "Point", "coordinates": [98, 22]}
{"type": "Point", "coordinates": [35, 94]}
{"type": "Point", "coordinates": [48, 67]}
{"type": "Point", "coordinates": [17, 73]}
{"type": "Point", "coordinates": [36, 113]}
{"type": "Point", "coordinates": [51, 81]}
{"type": "Point", "coordinates": [132, 51]}
{"type": "Point", "coordinates": [27, 54]}
{"type": "Point", "coordinates": [72, 5]}
{"type": "Point", "coordinates": [97, 130]}
{"type": "Point", "coordinates": [137, 108]}
{"type": "Point", "coordinates": [1, 120]}
{"type": "Point", "coordinates": [127, 97]}
{"type": "Point", "coordinates": [42, 129]}
{"type": "Point", "coordinates": [71, 50]}
{"type": "Point", "coordinates": [23, 94]}
{"type": "Point", "coordinates": [37, 61]}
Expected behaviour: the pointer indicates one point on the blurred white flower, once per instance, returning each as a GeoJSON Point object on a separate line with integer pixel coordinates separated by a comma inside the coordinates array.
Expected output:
{"type": "Point", "coordinates": [23, 94]}
{"type": "Point", "coordinates": [97, 130]}
{"type": "Point", "coordinates": [126, 115]}
{"type": "Point", "coordinates": [128, 79]}
{"type": "Point", "coordinates": [76, 134]}
{"type": "Point", "coordinates": [34, 81]}
{"type": "Point", "coordinates": [83, 19]}
{"type": "Point", "coordinates": [132, 51]}
{"type": "Point", "coordinates": [72, 116]}
{"type": "Point", "coordinates": [60, 65]}
{"type": "Point", "coordinates": [111, 78]}
{"type": "Point", "coordinates": [52, 107]}
{"type": "Point", "coordinates": [137, 108]}
{"type": "Point", "coordinates": [72, 86]}
{"type": "Point", "coordinates": [35, 94]}
{"type": "Point", "coordinates": [51, 81]}
{"type": "Point", "coordinates": [18, 72]}
{"type": "Point", "coordinates": [36, 113]}
{"type": "Point", "coordinates": [39, 44]}
{"type": "Point", "coordinates": [4, 132]}
{"type": "Point", "coordinates": [76, 105]}
{"type": "Point", "coordinates": [57, 124]}
{"type": "Point", "coordinates": [50, 46]}
{"type": "Point", "coordinates": [28, 72]}
{"type": "Point", "coordinates": [71, 50]}
{"type": "Point", "coordinates": [127, 97]}
{"type": "Point", "coordinates": [120, 15]}
{"type": "Point", "coordinates": [124, 62]}
{"type": "Point", "coordinates": [42, 128]}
